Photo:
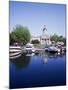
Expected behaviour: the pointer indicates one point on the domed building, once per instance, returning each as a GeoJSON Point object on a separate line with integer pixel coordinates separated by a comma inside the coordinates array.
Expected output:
{"type": "Point", "coordinates": [45, 38]}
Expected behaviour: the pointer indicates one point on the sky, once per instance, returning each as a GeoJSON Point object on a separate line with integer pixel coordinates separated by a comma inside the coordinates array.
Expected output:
{"type": "Point", "coordinates": [35, 15]}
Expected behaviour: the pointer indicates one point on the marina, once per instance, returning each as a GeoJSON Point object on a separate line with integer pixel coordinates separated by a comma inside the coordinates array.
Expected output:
{"type": "Point", "coordinates": [51, 49]}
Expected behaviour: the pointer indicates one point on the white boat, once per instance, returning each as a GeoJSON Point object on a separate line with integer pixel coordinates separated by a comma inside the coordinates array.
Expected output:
{"type": "Point", "coordinates": [53, 49]}
{"type": "Point", "coordinates": [30, 48]}
{"type": "Point", "coordinates": [15, 51]}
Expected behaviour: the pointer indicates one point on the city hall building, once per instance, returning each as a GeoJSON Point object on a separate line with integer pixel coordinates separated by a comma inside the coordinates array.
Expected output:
{"type": "Point", "coordinates": [44, 38]}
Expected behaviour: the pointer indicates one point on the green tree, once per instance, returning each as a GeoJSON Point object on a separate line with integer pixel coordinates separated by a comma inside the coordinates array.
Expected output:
{"type": "Point", "coordinates": [64, 40]}
{"type": "Point", "coordinates": [35, 41]}
{"type": "Point", "coordinates": [20, 34]}
{"type": "Point", "coordinates": [60, 38]}
{"type": "Point", "coordinates": [54, 38]}
{"type": "Point", "coordinates": [57, 38]}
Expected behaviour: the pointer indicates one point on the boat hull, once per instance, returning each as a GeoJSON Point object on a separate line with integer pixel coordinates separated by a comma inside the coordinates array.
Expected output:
{"type": "Point", "coordinates": [14, 51]}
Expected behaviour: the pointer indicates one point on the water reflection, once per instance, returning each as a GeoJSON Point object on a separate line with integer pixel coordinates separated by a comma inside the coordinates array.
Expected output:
{"type": "Point", "coordinates": [45, 60]}
{"type": "Point", "coordinates": [52, 55]}
{"type": "Point", "coordinates": [21, 62]}
{"type": "Point", "coordinates": [45, 55]}
{"type": "Point", "coordinates": [14, 57]}
{"type": "Point", "coordinates": [37, 69]}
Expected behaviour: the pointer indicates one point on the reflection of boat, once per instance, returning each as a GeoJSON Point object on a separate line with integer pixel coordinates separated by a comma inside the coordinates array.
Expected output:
{"type": "Point", "coordinates": [30, 54]}
{"type": "Point", "coordinates": [14, 54]}
{"type": "Point", "coordinates": [53, 56]}
{"type": "Point", "coordinates": [20, 61]}
{"type": "Point", "coordinates": [14, 57]}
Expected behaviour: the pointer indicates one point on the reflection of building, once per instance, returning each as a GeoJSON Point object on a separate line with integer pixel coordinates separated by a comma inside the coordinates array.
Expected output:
{"type": "Point", "coordinates": [44, 38]}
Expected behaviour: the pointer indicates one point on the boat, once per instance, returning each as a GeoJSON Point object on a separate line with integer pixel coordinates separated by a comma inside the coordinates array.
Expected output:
{"type": "Point", "coordinates": [29, 48]}
{"type": "Point", "coordinates": [62, 48]}
{"type": "Point", "coordinates": [15, 51]}
{"type": "Point", "coordinates": [53, 49]}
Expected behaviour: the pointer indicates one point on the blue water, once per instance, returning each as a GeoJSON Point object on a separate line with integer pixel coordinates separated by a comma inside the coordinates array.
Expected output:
{"type": "Point", "coordinates": [37, 71]}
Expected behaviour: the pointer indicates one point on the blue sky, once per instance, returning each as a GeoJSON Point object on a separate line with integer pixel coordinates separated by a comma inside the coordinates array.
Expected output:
{"type": "Point", "coordinates": [36, 15]}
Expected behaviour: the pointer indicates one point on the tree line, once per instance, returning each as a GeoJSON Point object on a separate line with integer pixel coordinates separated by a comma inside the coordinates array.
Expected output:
{"type": "Point", "coordinates": [22, 35]}
{"type": "Point", "coordinates": [58, 38]}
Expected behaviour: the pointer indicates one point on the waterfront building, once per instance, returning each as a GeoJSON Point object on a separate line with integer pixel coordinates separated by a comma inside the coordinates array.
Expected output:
{"type": "Point", "coordinates": [44, 38]}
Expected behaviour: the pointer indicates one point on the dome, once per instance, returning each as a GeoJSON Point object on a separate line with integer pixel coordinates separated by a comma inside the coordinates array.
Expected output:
{"type": "Point", "coordinates": [45, 38]}
{"type": "Point", "coordinates": [45, 35]}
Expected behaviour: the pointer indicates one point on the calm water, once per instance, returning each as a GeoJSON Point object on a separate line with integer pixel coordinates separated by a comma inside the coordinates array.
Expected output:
{"type": "Point", "coordinates": [37, 70]}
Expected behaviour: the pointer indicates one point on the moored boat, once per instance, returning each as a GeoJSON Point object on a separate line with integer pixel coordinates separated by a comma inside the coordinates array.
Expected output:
{"type": "Point", "coordinates": [29, 48]}
{"type": "Point", "coordinates": [53, 49]}
{"type": "Point", "coordinates": [14, 51]}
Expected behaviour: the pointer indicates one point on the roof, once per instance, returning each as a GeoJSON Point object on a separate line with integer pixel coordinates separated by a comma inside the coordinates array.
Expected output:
{"type": "Point", "coordinates": [29, 44]}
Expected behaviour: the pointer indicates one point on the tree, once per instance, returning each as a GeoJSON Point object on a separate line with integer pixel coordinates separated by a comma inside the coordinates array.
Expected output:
{"type": "Point", "coordinates": [54, 38]}
{"type": "Point", "coordinates": [64, 40]}
{"type": "Point", "coordinates": [60, 38]}
{"type": "Point", "coordinates": [35, 41]}
{"type": "Point", "coordinates": [57, 38]}
{"type": "Point", "coordinates": [20, 34]}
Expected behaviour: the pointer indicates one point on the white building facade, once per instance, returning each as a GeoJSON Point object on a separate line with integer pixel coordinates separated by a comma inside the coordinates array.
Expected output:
{"type": "Point", "coordinates": [44, 38]}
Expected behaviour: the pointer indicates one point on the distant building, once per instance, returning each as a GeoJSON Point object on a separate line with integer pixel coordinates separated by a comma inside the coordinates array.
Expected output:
{"type": "Point", "coordinates": [44, 38]}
